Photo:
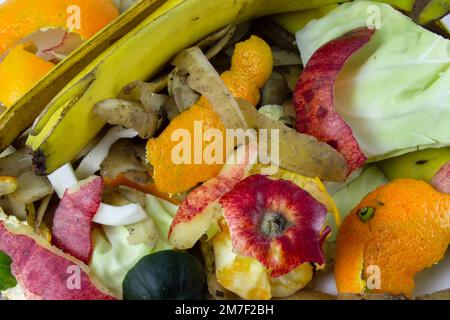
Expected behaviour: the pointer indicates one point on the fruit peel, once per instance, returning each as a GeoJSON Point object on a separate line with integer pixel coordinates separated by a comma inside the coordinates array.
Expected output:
{"type": "Point", "coordinates": [363, 98]}
{"type": "Point", "coordinates": [42, 270]}
{"type": "Point", "coordinates": [72, 223]}
{"type": "Point", "coordinates": [408, 232]}
{"type": "Point", "coordinates": [275, 222]}
{"type": "Point", "coordinates": [314, 96]}
{"type": "Point", "coordinates": [200, 208]}
{"type": "Point", "coordinates": [209, 16]}
{"type": "Point", "coordinates": [441, 181]}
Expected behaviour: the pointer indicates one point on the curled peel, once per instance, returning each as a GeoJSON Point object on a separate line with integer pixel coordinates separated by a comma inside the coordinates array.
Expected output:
{"type": "Point", "coordinates": [441, 181]}
{"type": "Point", "coordinates": [314, 96]}
{"type": "Point", "coordinates": [205, 79]}
{"type": "Point", "coordinates": [43, 271]}
{"type": "Point", "coordinates": [200, 208]}
{"type": "Point", "coordinates": [72, 223]}
{"type": "Point", "coordinates": [275, 222]}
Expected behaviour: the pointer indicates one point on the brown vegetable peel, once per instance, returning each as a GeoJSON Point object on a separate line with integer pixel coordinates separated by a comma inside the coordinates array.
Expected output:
{"type": "Point", "coordinates": [298, 152]}
{"type": "Point", "coordinates": [205, 79]}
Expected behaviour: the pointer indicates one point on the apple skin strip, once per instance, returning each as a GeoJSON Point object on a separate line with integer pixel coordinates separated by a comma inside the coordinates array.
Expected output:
{"type": "Point", "coordinates": [43, 271]}
{"type": "Point", "coordinates": [72, 223]}
{"type": "Point", "coordinates": [314, 96]}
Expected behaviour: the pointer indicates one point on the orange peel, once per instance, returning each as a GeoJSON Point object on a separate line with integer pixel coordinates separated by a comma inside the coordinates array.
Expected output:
{"type": "Point", "coordinates": [20, 18]}
{"type": "Point", "coordinates": [19, 71]}
{"type": "Point", "coordinates": [400, 228]}
{"type": "Point", "coordinates": [244, 81]}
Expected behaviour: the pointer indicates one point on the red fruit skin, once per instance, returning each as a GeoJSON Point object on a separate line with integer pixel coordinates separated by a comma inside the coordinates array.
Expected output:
{"type": "Point", "coordinates": [314, 96]}
{"type": "Point", "coordinates": [72, 223]}
{"type": "Point", "coordinates": [441, 181]}
{"type": "Point", "coordinates": [42, 273]}
{"type": "Point", "coordinates": [210, 191]}
{"type": "Point", "coordinates": [302, 240]}
{"type": "Point", "coordinates": [200, 198]}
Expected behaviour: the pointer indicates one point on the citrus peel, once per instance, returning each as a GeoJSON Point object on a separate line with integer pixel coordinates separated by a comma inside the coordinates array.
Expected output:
{"type": "Point", "coordinates": [20, 18]}
{"type": "Point", "coordinates": [400, 228]}
{"type": "Point", "coordinates": [244, 81]}
{"type": "Point", "coordinates": [19, 71]}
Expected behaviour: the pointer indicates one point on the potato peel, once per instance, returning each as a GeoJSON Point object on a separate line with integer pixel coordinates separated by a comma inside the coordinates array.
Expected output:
{"type": "Point", "coordinates": [205, 79]}
{"type": "Point", "coordinates": [298, 152]}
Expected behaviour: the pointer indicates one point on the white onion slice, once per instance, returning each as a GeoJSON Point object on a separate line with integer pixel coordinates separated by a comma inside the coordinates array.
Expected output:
{"type": "Point", "coordinates": [92, 161]}
{"type": "Point", "coordinates": [119, 216]}
{"type": "Point", "coordinates": [62, 179]}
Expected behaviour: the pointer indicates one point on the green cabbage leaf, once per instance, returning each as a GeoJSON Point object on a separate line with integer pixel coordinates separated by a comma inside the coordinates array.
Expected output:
{"type": "Point", "coordinates": [348, 197]}
{"type": "Point", "coordinates": [113, 256]}
{"type": "Point", "coordinates": [395, 91]}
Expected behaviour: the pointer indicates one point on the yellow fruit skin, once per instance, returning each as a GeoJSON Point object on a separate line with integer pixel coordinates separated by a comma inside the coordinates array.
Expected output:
{"type": "Point", "coordinates": [19, 72]}
{"type": "Point", "coordinates": [295, 21]}
{"type": "Point", "coordinates": [196, 19]}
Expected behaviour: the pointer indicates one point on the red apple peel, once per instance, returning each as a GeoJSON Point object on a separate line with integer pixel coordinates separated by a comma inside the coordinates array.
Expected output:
{"type": "Point", "coordinates": [314, 96]}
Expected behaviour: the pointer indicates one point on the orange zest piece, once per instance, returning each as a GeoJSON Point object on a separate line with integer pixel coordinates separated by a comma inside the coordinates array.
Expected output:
{"type": "Point", "coordinates": [252, 65]}
{"type": "Point", "coordinates": [253, 60]}
{"type": "Point", "coordinates": [171, 175]}
{"type": "Point", "coordinates": [19, 72]}
{"type": "Point", "coordinates": [400, 229]}
{"type": "Point", "coordinates": [20, 18]}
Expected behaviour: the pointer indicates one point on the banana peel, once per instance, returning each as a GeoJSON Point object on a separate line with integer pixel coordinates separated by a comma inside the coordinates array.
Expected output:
{"type": "Point", "coordinates": [68, 124]}
{"type": "Point", "coordinates": [21, 115]}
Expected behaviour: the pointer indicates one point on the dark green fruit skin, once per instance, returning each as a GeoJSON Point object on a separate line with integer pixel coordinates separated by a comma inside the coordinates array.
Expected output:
{"type": "Point", "coordinates": [166, 275]}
